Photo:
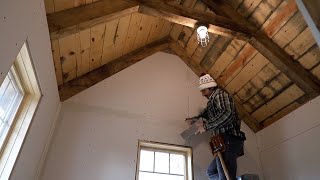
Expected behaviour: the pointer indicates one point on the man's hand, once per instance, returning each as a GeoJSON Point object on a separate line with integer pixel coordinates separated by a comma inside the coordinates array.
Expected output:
{"type": "Point", "coordinates": [200, 127]}
{"type": "Point", "coordinates": [190, 121]}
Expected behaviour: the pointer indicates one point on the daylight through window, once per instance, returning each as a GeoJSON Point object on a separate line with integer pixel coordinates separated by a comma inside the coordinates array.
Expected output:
{"type": "Point", "coordinates": [161, 161]}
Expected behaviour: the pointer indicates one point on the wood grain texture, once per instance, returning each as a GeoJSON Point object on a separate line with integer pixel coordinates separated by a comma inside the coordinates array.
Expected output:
{"type": "Point", "coordinates": [56, 60]}
{"type": "Point", "coordinates": [75, 86]}
{"type": "Point", "coordinates": [73, 20]}
{"type": "Point", "coordinates": [68, 58]}
{"type": "Point", "coordinates": [190, 17]}
{"type": "Point", "coordinates": [289, 95]}
{"type": "Point", "coordinates": [96, 38]}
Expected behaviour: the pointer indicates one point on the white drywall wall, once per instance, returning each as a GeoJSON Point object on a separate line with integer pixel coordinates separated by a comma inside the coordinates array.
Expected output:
{"type": "Point", "coordinates": [22, 20]}
{"type": "Point", "coordinates": [290, 147]}
{"type": "Point", "coordinates": [99, 129]}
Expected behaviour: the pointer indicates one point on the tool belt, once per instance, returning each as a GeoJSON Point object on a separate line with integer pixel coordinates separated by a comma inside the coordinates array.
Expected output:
{"type": "Point", "coordinates": [217, 144]}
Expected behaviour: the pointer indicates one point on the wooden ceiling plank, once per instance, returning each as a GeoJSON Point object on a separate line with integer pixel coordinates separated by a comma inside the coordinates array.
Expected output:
{"type": "Point", "coordinates": [49, 5]}
{"type": "Point", "coordinates": [263, 12]}
{"type": "Point", "coordinates": [215, 52]}
{"type": "Point", "coordinates": [290, 30]}
{"type": "Point", "coordinates": [287, 97]}
{"type": "Point", "coordinates": [144, 29]}
{"type": "Point", "coordinates": [300, 44]}
{"type": "Point", "coordinates": [192, 43]}
{"type": "Point", "coordinates": [273, 52]}
{"type": "Point", "coordinates": [272, 27]}
{"type": "Point", "coordinates": [177, 28]}
{"type": "Point", "coordinates": [316, 71]}
{"type": "Point", "coordinates": [166, 29]}
{"type": "Point", "coordinates": [96, 39]}
{"type": "Point", "coordinates": [77, 85]}
{"type": "Point", "coordinates": [56, 61]}
{"type": "Point", "coordinates": [121, 35]}
{"type": "Point", "coordinates": [76, 19]}
{"type": "Point", "coordinates": [200, 52]}
{"type": "Point", "coordinates": [247, 73]}
{"type": "Point", "coordinates": [242, 59]}
{"type": "Point", "coordinates": [63, 4]}
{"type": "Point", "coordinates": [109, 40]}
{"type": "Point", "coordinates": [132, 32]}
{"type": "Point", "coordinates": [289, 108]}
{"type": "Point", "coordinates": [310, 59]}
{"type": "Point", "coordinates": [250, 121]}
{"type": "Point", "coordinates": [226, 58]}
{"type": "Point", "coordinates": [155, 30]}
{"type": "Point", "coordinates": [267, 74]}
{"type": "Point", "coordinates": [79, 3]}
{"type": "Point", "coordinates": [279, 84]}
{"type": "Point", "coordinates": [190, 17]}
{"type": "Point", "coordinates": [83, 64]}
{"type": "Point", "coordinates": [68, 58]}
{"type": "Point", "coordinates": [247, 7]}
{"type": "Point", "coordinates": [185, 36]}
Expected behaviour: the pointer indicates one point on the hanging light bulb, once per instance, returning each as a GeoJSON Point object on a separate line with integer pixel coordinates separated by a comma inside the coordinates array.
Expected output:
{"type": "Point", "coordinates": [202, 36]}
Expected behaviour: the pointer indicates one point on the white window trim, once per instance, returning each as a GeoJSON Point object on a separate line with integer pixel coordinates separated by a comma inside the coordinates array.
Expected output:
{"type": "Point", "coordinates": [17, 103]}
{"type": "Point", "coordinates": [163, 147]}
{"type": "Point", "coordinates": [24, 115]}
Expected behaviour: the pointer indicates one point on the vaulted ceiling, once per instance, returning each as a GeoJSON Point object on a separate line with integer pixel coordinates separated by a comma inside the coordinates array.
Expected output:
{"type": "Point", "coordinates": [260, 51]}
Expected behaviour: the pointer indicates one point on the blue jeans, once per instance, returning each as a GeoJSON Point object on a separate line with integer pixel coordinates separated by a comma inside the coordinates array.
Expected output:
{"type": "Point", "coordinates": [234, 148]}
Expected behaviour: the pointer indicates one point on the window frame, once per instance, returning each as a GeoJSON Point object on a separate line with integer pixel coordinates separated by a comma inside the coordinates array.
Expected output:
{"type": "Point", "coordinates": [13, 111]}
{"type": "Point", "coordinates": [26, 111]}
{"type": "Point", "coordinates": [167, 148]}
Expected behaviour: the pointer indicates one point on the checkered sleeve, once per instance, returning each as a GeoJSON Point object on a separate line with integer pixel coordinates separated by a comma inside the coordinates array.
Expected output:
{"type": "Point", "coordinates": [220, 112]}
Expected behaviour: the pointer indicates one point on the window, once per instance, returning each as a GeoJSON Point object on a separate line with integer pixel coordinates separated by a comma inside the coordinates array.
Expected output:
{"type": "Point", "coordinates": [19, 98]}
{"type": "Point", "coordinates": [11, 94]}
{"type": "Point", "coordinates": [158, 161]}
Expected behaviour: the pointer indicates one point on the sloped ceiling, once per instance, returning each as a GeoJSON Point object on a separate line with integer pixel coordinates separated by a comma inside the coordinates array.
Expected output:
{"type": "Point", "coordinates": [260, 51]}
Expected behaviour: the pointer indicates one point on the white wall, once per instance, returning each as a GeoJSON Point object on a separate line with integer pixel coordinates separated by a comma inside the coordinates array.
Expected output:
{"type": "Point", "coordinates": [290, 147]}
{"type": "Point", "coordinates": [97, 135]}
{"type": "Point", "coordinates": [22, 20]}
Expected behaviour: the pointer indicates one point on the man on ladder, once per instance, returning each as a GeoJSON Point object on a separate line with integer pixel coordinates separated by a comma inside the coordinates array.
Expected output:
{"type": "Point", "coordinates": [221, 120]}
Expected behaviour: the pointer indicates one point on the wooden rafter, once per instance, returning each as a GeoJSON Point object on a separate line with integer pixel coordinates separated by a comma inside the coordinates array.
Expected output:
{"type": "Point", "coordinates": [81, 83]}
{"type": "Point", "coordinates": [270, 50]}
{"type": "Point", "coordinates": [76, 19]}
{"type": "Point", "coordinates": [73, 20]}
{"type": "Point", "coordinates": [192, 18]}
{"type": "Point", "coordinates": [178, 50]}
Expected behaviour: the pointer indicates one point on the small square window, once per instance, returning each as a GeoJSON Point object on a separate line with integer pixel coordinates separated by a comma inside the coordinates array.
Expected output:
{"type": "Point", "coordinates": [162, 161]}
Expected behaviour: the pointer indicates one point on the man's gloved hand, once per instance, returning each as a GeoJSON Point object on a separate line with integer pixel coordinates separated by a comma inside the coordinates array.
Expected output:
{"type": "Point", "coordinates": [199, 124]}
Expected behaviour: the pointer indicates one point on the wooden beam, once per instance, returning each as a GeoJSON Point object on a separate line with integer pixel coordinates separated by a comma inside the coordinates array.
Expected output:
{"type": "Point", "coordinates": [179, 51]}
{"type": "Point", "coordinates": [82, 83]}
{"type": "Point", "coordinates": [192, 18]}
{"type": "Point", "coordinates": [275, 54]}
{"type": "Point", "coordinates": [73, 20]}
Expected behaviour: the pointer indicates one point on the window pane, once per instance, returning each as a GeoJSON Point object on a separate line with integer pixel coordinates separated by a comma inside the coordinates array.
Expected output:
{"type": "Point", "coordinates": [162, 162]}
{"type": "Point", "coordinates": [155, 176]}
{"type": "Point", "coordinates": [7, 99]}
{"type": "Point", "coordinates": [146, 160]}
{"type": "Point", "coordinates": [177, 164]}
{"type": "Point", "coordinates": [3, 87]}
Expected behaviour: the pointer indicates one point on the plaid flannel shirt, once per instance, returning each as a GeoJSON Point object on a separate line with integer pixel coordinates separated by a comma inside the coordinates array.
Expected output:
{"type": "Point", "coordinates": [220, 115]}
